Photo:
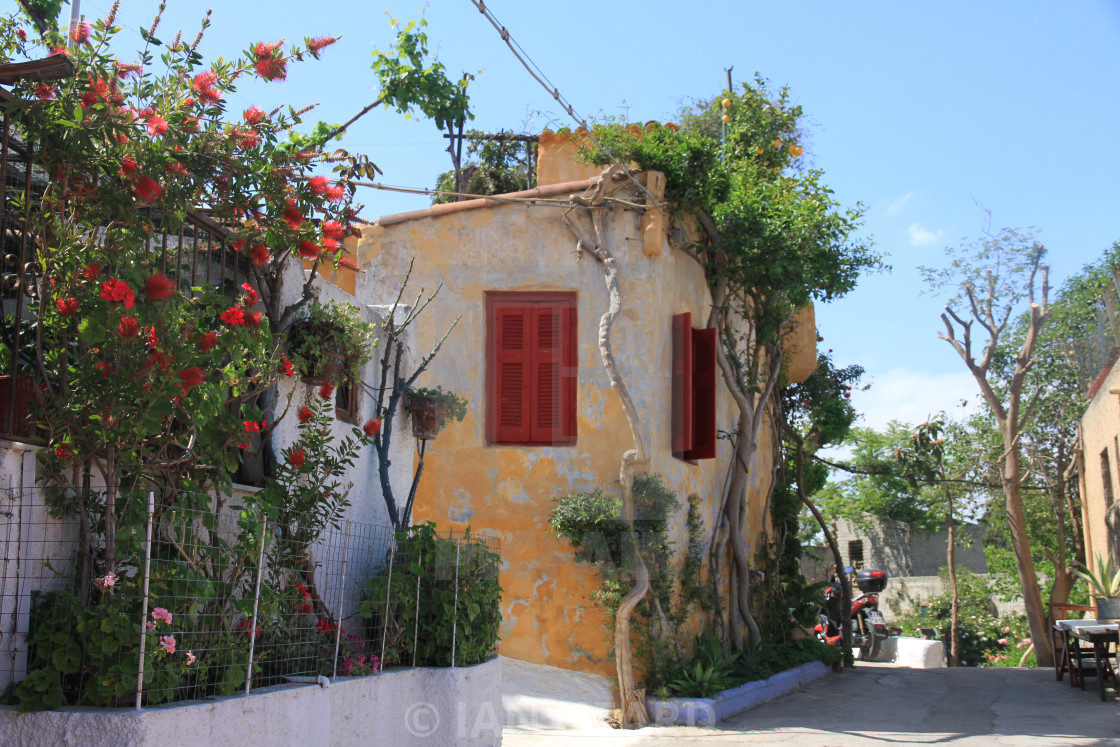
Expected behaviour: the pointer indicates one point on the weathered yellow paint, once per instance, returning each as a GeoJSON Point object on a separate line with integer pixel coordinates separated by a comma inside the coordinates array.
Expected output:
{"type": "Point", "coordinates": [508, 491]}
{"type": "Point", "coordinates": [557, 162]}
{"type": "Point", "coordinates": [800, 344]}
{"type": "Point", "coordinates": [1100, 445]}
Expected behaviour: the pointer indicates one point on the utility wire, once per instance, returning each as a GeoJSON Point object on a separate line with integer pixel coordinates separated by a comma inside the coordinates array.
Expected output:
{"type": "Point", "coordinates": [554, 91]}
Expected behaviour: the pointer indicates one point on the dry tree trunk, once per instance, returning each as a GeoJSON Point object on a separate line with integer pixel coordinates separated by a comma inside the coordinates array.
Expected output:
{"type": "Point", "coordinates": [633, 707]}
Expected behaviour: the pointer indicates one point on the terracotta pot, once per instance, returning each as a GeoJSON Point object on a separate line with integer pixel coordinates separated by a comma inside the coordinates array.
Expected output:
{"type": "Point", "coordinates": [15, 421]}
{"type": "Point", "coordinates": [427, 416]}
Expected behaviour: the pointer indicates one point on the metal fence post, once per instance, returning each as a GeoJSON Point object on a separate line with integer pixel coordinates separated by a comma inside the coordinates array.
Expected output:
{"type": "Point", "coordinates": [256, 605]}
{"type": "Point", "coordinates": [388, 590]}
{"type": "Point", "coordinates": [455, 602]}
{"type": "Point", "coordinates": [341, 598]}
{"type": "Point", "coordinates": [144, 602]}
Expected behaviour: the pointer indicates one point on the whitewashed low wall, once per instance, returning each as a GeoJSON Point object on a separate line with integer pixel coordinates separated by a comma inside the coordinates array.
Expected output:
{"type": "Point", "coordinates": [453, 706]}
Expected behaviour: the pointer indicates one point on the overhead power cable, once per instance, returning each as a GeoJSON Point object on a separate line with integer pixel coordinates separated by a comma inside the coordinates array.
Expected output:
{"type": "Point", "coordinates": [554, 91]}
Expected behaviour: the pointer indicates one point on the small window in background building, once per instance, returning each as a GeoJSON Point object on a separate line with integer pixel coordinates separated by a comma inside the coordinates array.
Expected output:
{"type": "Point", "coordinates": [855, 553]}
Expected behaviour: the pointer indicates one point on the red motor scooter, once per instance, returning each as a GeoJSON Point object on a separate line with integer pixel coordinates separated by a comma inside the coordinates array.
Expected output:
{"type": "Point", "coordinates": [868, 626]}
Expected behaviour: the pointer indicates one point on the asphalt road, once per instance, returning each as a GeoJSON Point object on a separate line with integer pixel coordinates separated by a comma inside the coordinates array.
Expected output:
{"type": "Point", "coordinates": [881, 704]}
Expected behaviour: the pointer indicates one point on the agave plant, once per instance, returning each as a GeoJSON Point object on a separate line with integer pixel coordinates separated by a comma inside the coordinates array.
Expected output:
{"type": "Point", "coordinates": [1106, 581]}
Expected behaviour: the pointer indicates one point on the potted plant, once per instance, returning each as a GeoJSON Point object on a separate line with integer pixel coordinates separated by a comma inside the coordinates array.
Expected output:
{"type": "Point", "coordinates": [431, 408]}
{"type": "Point", "coordinates": [331, 342]}
{"type": "Point", "coordinates": [1105, 584]}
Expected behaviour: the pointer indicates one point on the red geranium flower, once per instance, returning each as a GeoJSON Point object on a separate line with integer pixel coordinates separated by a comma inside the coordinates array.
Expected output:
{"type": "Point", "coordinates": [250, 294]}
{"type": "Point", "coordinates": [252, 426]}
{"type": "Point", "coordinates": [207, 341]}
{"type": "Point", "coordinates": [233, 316]}
{"type": "Point", "coordinates": [67, 306]}
{"type": "Point", "coordinates": [159, 287]}
{"type": "Point", "coordinates": [92, 271]}
{"type": "Point", "coordinates": [372, 426]}
{"type": "Point", "coordinates": [296, 457]}
{"type": "Point", "coordinates": [326, 390]}
{"type": "Point", "coordinates": [129, 327]}
{"type": "Point", "coordinates": [286, 367]}
{"type": "Point", "coordinates": [253, 318]}
{"type": "Point", "coordinates": [304, 414]}
{"type": "Point", "coordinates": [118, 291]}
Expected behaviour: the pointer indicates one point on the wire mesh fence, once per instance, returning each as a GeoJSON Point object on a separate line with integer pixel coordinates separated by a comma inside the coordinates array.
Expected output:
{"type": "Point", "coordinates": [200, 596]}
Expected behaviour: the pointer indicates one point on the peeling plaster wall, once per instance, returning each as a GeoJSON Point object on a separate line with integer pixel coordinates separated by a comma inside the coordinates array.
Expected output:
{"type": "Point", "coordinates": [548, 617]}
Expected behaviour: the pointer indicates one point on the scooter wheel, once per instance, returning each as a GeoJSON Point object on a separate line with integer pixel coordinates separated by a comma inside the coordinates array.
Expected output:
{"type": "Point", "coordinates": [872, 638]}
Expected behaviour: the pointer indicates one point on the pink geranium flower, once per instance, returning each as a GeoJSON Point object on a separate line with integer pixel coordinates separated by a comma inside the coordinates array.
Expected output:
{"type": "Point", "coordinates": [167, 643]}
{"type": "Point", "coordinates": [159, 614]}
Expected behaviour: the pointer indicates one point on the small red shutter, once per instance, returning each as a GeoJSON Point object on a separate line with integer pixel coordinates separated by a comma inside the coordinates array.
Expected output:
{"type": "Point", "coordinates": [704, 343]}
{"type": "Point", "coordinates": [512, 374]}
{"type": "Point", "coordinates": [545, 410]}
{"type": "Point", "coordinates": [682, 384]}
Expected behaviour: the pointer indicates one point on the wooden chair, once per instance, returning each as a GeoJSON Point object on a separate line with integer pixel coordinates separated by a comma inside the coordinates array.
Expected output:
{"type": "Point", "coordinates": [1070, 654]}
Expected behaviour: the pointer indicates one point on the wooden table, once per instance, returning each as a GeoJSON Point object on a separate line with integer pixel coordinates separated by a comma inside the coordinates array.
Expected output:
{"type": "Point", "coordinates": [1100, 634]}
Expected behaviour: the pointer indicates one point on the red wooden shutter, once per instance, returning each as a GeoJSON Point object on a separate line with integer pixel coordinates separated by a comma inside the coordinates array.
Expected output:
{"type": "Point", "coordinates": [682, 384]}
{"type": "Point", "coordinates": [512, 372]}
{"type": "Point", "coordinates": [545, 410]}
{"type": "Point", "coordinates": [704, 343]}
{"type": "Point", "coordinates": [569, 373]}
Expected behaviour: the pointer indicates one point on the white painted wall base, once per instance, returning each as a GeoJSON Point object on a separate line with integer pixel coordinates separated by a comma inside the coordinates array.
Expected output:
{"type": "Point", "coordinates": [454, 706]}
{"type": "Point", "coordinates": [544, 697]}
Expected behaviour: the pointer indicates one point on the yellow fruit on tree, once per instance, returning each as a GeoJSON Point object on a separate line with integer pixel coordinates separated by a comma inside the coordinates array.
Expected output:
{"type": "Point", "coordinates": [760, 150]}
{"type": "Point", "coordinates": [796, 150]}
{"type": "Point", "coordinates": [725, 103]}
{"type": "Point", "coordinates": [725, 118]}
{"type": "Point", "coordinates": [777, 143]}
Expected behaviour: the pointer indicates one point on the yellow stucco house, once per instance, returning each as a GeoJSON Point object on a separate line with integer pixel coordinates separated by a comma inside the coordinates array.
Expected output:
{"type": "Point", "coordinates": [543, 419]}
{"type": "Point", "coordinates": [1100, 471]}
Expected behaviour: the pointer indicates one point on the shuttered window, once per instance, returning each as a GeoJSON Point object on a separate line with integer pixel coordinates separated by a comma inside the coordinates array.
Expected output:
{"type": "Point", "coordinates": [531, 368]}
{"type": "Point", "coordinates": [693, 390]}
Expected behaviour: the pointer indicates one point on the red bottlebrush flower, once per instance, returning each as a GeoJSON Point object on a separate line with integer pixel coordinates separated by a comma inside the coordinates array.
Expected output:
{"type": "Point", "coordinates": [159, 360]}
{"type": "Point", "coordinates": [81, 32]}
{"type": "Point", "coordinates": [253, 318]}
{"type": "Point", "coordinates": [45, 91]}
{"type": "Point", "coordinates": [262, 50]}
{"type": "Point", "coordinates": [318, 185]}
{"type": "Point", "coordinates": [332, 229]}
{"type": "Point", "coordinates": [157, 126]}
{"type": "Point", "coordinates": [147, 189]}
{"type": "Point", "coordinates": [296, 457]}
{"type": "Point", "coordinates": [60, 50]}
{"type": "Point", "coordinates": [153, 339]}
{"type": "Point", "coordinates": [146, 113]}
{"type": "Point", "coordinates": [118, 291]}
{"type": "Point", "coordinates": [89, 98]}
{"type": "Point", "coordinates": [372, 426]}
{"type": "Point", "coordinates": [252, 426]}
{"type": "Point", "coordinates": [119, 138]}
{"type": "Point", "coordinates": [210, 95]}
{"type": "Point", "coordinates": [175, 168]}
{"type": "Point", "coordinates": [204, 80]}
{"type": "Point", "coordinates": [67, 306]}
{"type": "Point", "coordinates": [233, 316]}
{"type": "Point", "coordinates": [250, 294]}
{"type": "Point", "coordinates": [207, 341]}
{"type": "Point", "coordinates": [239, 245]}
{"type": "Point", "coordinates": [253, 115]}
{"type": "Point", "coordinates": [326, 391]}
{"type": "Point", "coordinates": [260, 255]}
{"type": "Point", "coordinates": [272, 68]}
{"type": "Point", "coordinates": [125, 69]}
{"type": "Point", "coordinates": [128, 165]}
{"type": "Point", "coordinates": [129, 327]}
{"type": "Point", "coordinates": [62, 451]}
{"type": "Point", "coordinates": [159, 287]}
{"type": "Point", "coordinates": [329, 245]}
{"type": "Point", "coordinates": [309, 249]}
{"type": "Point", "coordinates": [304, 414]}
{"type": "Point", "coordinates": [348, 264]}
{"type": "Point", "coordinates": [105, 368]}
{"type": "Point", "coordinates": [322, 41]}
{"type": "Point", "coordinates": [191, 377]}
{"type": "Point", "coordinates": [292, 216]}
{"type": "Point", "coordinates": [286, 367]}
{"type": "Point", "coordinates": [92, 271]}
{"type": "Point", "coordinates": [187, 103]}
{"type": "Point", "coordinates": [336, 193]}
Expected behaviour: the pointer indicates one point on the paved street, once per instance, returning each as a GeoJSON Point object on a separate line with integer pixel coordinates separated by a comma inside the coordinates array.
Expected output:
{"type": "Point", "coordinates": [880, 704]}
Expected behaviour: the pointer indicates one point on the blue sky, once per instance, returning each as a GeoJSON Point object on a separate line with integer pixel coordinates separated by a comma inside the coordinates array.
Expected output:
{"type": "Point", "coordinates": [922, 111]}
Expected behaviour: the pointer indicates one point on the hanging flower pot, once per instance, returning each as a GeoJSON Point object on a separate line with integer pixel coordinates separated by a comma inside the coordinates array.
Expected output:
{"type": "Point", "coordinates": [430, 409]}
{"type": "Point", "coordinates": [331, 343]}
